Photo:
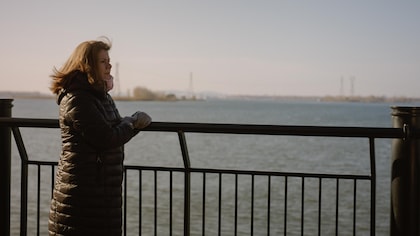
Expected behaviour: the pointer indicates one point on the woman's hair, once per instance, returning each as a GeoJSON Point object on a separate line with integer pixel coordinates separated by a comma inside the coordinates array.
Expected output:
{"type": "Point", "coordinates": [83, 59]}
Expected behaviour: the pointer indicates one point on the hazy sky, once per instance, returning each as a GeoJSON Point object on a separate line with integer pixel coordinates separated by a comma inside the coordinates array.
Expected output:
{"type": "Point", "coordinates": [262, 47]}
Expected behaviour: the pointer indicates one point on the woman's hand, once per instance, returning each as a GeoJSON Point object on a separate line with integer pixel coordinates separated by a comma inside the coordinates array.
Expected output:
{"type": "Point", "coordinates": [141, 120]}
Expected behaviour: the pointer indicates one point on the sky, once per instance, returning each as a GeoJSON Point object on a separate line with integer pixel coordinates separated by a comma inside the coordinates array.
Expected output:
{"type": "Point", "coordinates": [235, 47]}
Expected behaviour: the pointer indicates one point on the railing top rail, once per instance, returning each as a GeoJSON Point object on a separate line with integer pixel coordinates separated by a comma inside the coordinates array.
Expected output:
{"type": "Point", "coordinates": [330, 131]}
{"type": "Point", "coordinates": [29, 122]}
{"type": "Point", "coordinates": [293, 130]}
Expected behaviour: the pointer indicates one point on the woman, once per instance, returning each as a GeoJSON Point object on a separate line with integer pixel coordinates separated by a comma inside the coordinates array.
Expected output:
{"type": "Point", "coordinates": [87, 196]}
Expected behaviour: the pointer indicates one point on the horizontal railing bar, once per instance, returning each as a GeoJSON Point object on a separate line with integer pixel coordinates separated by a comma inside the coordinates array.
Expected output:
{"type": "Point", "coordinates": [46, 163]}
{"type": "Point", "coordinates": [29, 122]}
{"type": "Point", "coordinates": [230, 171]}
{"type": "Point", "coordinates": [152, 168]}
{"type": "Point", "coordinates": [278, 173]}
{"type": "Point", "coordinates": [250, 172]}
{"type": "Point", "coordinates": [332, 131]}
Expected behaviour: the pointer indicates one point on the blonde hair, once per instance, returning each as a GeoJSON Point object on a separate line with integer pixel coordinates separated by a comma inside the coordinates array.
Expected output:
{"type": "Point", "coordinates": [83, 59]}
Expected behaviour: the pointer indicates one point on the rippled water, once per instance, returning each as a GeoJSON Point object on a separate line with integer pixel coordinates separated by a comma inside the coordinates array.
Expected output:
{"type": "Point", "coordinates": [250, 152]}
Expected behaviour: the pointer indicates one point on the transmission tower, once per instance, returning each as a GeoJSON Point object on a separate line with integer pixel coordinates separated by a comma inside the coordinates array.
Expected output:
{"type": "Point", "coordinates": [117, 80]}
{"type": "Point", "coordinates": [352, 81]}
{"type": "Point", "coordinates": [191, 86]}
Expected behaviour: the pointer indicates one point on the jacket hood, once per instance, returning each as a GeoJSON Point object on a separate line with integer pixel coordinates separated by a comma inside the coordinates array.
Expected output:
{"type": "Point", "coordinates": [79, 81]}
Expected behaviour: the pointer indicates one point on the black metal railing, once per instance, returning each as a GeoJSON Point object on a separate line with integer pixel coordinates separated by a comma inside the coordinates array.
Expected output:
{"type": "Point", "coordinates": [181, 128]}
{"type": "Point", "coordinates": [210, 213]}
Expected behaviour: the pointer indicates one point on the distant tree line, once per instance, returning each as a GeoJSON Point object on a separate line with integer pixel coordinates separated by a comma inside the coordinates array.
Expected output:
{"type": "Point", "coordinates": [145, 94]}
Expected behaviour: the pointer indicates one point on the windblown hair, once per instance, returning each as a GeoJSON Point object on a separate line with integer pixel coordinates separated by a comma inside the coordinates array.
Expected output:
{"type": "Point", "coordinates": [83, 59]}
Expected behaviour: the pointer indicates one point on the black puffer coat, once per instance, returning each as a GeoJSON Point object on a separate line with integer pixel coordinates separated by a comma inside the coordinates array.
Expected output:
{"type": "Point", "coordinates": [87, 196]}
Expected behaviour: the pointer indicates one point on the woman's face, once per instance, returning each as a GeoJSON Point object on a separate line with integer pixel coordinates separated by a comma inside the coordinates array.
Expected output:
{"type": "Point", "coordinates": [104, 68]}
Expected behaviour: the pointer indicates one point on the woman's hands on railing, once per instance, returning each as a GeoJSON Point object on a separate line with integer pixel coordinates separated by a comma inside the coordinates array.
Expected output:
{"type": "Point", "coordinates": [141, 120]}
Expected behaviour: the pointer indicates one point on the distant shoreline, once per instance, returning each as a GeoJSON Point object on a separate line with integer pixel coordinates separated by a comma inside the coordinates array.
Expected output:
{"type": "Point", "coordinates": [29, 95]}
{"type": "Point", "coordinates": [361, 99]}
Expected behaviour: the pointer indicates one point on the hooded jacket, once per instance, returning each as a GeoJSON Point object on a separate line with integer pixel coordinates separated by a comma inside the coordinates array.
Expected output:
{"type": "Point", "coordinates": [87, 195]}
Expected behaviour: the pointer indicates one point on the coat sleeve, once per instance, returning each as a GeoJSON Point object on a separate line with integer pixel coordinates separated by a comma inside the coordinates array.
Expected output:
{"type": "Point", "coordinates": [85, 116]}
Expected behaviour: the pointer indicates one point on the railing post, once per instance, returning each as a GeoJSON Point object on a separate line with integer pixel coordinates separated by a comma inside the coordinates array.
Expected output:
{"type": "Point", "coordinates": [405, 176]}
{"type": "Point", "coordinates": [5, 168]}
{"type": "Point", "coordinates": [187, 182]}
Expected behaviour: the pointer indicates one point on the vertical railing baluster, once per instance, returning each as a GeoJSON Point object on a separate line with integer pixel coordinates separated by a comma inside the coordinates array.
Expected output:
{"type": "Point", "coordinates": [125, 202]}
{"type": "Point", "coordinates": [203, 217]}
{"type": "Point", "coordinates": [302, 209]}
{"type": "Point", "coordinates": [354, 205]}
{"type": "Point", "coordinates": [170, 201]}
{"type": "Point", "coordinates": [24, 181]}
{"type": "Point", "coordinates": [140, 201]}
{"type": "Point", "coordinates": [252, 203]}
{"type": "Point", "coordinates": [285, 205]}
{"type": "Point", "coordinates": [319, 205]}
{"type": "Point", "coordinates": [52, 179]}
{"type": "Point", "coordinates": [236, 205]}
{"type": "Point", "coordinates": [219, 217]}
{"type": "Point", "coordinates": [372, 186]}
{"type": "Point", "coordinates": [155, 202]}
{"type": "Point", "coordinates": [38, 200]}
{"type": "Point", "coordinates": [5, 167]}
{"type": "Point", "coordinates": [268, 204]}
{"type": "Point", "coordinates": [336, 204]}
